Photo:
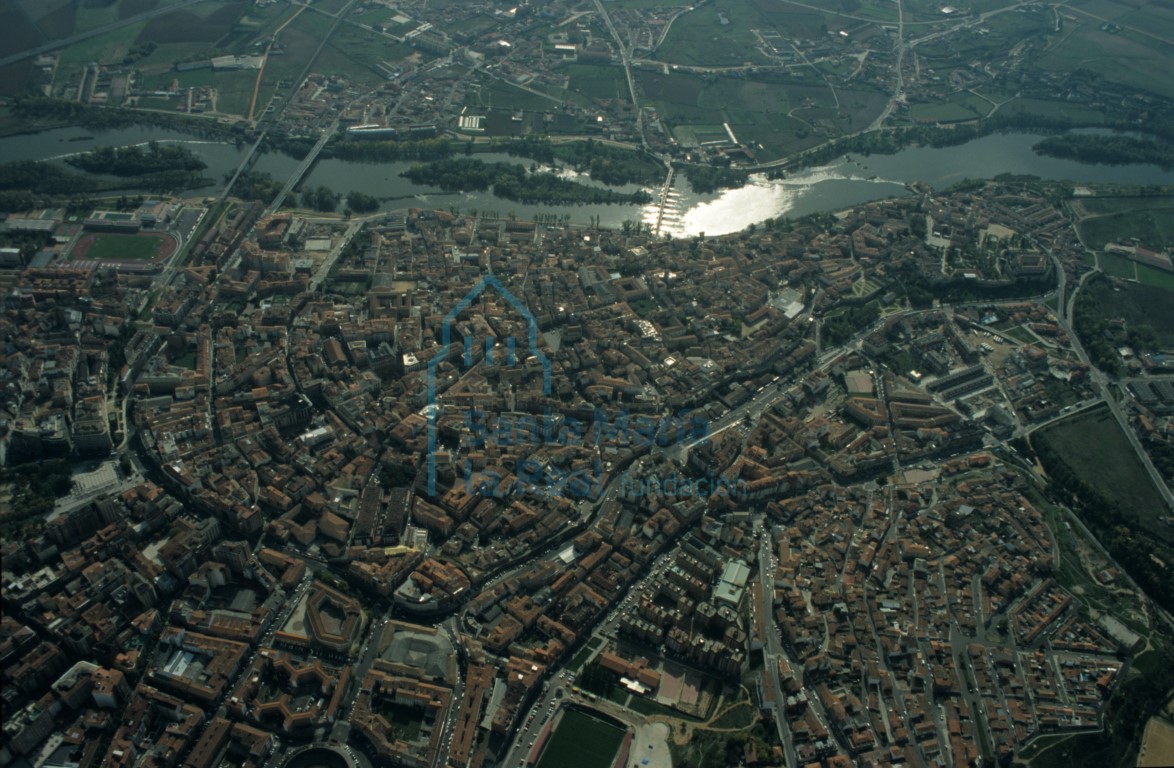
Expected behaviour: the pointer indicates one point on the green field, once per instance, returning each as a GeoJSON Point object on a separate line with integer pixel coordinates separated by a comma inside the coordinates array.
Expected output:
{"type": "Point", "coordinates": [1153, 227]}
{"type": "Point", "coordinates": [717, 33]}
{"type": "Point", "coordinates": [1095, 448]}
{"type": "Point", "coordinates": [1074, 111]}
{"type": "Point", "coordinates": [1117, 265]}
{"type": "Point", "coordinates": [597, 81]}
{"type": "Point", "coordinates": [1129, 56]}
{"type": "Point", "coordinates": [584, 652]}
{"type": "Point", "coordinates": [646, 3]}
{"type": "Point", "coordinates": [104, 49]}
{"type": "Point", "coordinates": [1157, 278]}
{"type": "Point", "coordinates": [124, 247]}
{"type": "Point", "coordinates": [1114, 313]}
{"type": "Point", "coordinates": [1022, 334]}
{"type": "Point", "coordinates": [953, 108]}
{"type": "Point", "coordinates": [1100, 205]}
{"type": "Point", "coordinates": [581, 741]}
{"type": "Point", "coordinates": [652, 707]}
{"type": "Point", "coordinates": [774, 115]}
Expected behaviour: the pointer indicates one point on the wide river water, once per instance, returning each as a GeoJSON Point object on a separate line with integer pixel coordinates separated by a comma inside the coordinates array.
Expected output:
{"type": "Point", "coordinates": [840, 184]}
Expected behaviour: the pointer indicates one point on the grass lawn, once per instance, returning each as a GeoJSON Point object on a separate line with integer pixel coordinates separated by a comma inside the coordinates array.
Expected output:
{"type": "Point", "coordinates": [1124, 57]}
{"type": "Point", "coordinates": [579, 658]}
{"type": "Point", "coordinates": [597, 81]}
{"type": "Point", "coordinates": [1152, 226]}
{"type": "Point", "coordinates": [124, 247]}
{"type": "Point", "coordinates": [581, 741]}
{"type": "Point", "coordinates": [1117, 265]}
{"type": "Point", "coordinates": [1055, 109]}
{"type": "Point", "coordinates": [1099, 205]}
{"type": "Point", "coordinates": [1021, 333]}
{"type": "Point", "coordinates": [1158, 278]}
{"type": "Point", "coordinates": [647, 706]}
{"type": "Point", "coordinates": [109, 48]}
{"type": "Point", "coordinates": [1039, 745]}
{"type": "Point", "coordinates": [1093, 445]}
{"type": "Point", "coordinates": [501, 95]}
{"type": "Point", "coordinates": [185, 360]}
{"type": "Point", "coordinates": [942, 112]}
{"type": "Point", "coordinates": [406, 721]}
{"type": "Point", "coordinates": [717, 33]}
{"type": "Point", "coordinates": [646, 3]}
{"type": "Point", "coordinates": [739, 716]}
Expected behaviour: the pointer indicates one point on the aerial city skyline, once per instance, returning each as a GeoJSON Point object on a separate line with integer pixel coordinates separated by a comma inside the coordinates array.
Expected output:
{"type": "Point", "coordinates": [586, 383]}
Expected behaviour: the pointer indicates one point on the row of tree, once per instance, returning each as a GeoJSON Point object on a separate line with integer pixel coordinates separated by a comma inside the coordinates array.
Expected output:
{"type": "Point", "coordinates": [1099, 337]}
{"type": "Point", "coordinates": [605, 163]}
{"type": "Point", "coordinates": [36, 111]}
{"type": "Point", "coordinates": [513, 182]}
{"type": "Point", "coordinates": [1111, 149]}
{"type": "Point", "coordinates": [138, 161]}
{"type": "Point", "coordinates": [1120, 531]}
{"type": "Point", "coordinates": [43, 179]}
{"type": "Point", "coordinates": [388, 151]}
{"type": "Point", "coordinates": [320, 198]}
{"type": "Point", "coordinates": [704, 179]}
{"type": "Point", "coordinates": [28, 181]}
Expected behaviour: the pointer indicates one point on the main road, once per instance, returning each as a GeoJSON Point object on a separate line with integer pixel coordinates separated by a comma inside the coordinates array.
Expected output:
{"type": "Point", "coordinates": [626, 59]}
{"type": "Point", "coordinates": [899, 86]}
{"type": "Point", "coordinates": [1102, 382]}
{"type": "Point", "coordinates": [772, 648]}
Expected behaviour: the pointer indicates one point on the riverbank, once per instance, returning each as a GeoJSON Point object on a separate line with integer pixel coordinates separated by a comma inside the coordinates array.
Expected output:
{"type": "Point", "coordinates": [32, 115]}
{"type": "Point", "coordinates": [844, 181]}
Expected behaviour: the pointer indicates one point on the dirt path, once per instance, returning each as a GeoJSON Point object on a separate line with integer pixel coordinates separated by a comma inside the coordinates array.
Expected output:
{"type": "Point", "coordinates": [682, 730]}
{"type": "Point", "coordinates": [265, 61]}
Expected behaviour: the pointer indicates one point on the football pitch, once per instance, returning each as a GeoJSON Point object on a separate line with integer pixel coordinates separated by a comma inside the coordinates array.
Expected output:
{"type": "Point", "coordinates": [581, 741]}
{"type": "Point", "coordinates": [112, 247]}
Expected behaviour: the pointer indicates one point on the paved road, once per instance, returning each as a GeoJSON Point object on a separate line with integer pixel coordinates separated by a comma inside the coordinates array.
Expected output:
{"type": "Point", "coordinates": [1102, 383]}
{"type": "Point", "coordinates": [626, 59]}
{"type": "Point", "coordinates": [300, 171]}
{"type": "Point", "coordinates": [899, 87]}
{"type": "Point", "coordinates": [772, 648]}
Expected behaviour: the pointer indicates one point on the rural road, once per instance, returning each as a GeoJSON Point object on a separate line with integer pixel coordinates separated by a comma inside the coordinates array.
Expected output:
{"type": "Point", "coordinates": [95, 32]}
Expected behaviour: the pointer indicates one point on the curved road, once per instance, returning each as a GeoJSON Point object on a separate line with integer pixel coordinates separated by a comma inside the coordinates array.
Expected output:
{"type": "Point", "coordinates": [1101, 381]}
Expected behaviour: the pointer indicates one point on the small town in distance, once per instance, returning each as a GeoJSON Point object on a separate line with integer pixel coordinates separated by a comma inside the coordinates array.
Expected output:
{"type": "Point", "coordinates": [586, 384]}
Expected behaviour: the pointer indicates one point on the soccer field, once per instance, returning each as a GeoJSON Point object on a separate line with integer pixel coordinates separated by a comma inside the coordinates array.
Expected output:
{"type": "Point", "coordinates": [581, 741]}
{"type": "Point", "coordinates": [124, 247]}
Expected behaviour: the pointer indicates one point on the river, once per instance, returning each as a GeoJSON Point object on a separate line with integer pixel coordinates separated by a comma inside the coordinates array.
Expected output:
{"type": "Point", "coordinates": [838, 185]}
